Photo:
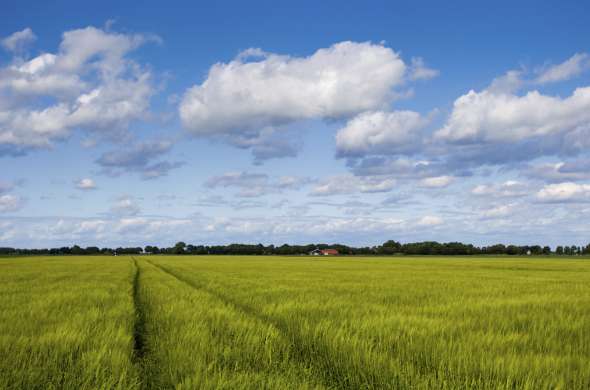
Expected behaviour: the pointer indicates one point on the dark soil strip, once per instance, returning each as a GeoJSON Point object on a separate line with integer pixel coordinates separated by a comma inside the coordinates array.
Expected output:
{"type": "Point", "coordinates": [143, 355]}
{"type": "Point", "coordinates": [335, 373]}
{"type": "Point", "coordinates": [139, 347]}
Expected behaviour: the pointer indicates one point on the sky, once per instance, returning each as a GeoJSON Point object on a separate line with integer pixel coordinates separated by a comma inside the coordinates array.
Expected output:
{"type": "Point", "coordinates": [261, 122]}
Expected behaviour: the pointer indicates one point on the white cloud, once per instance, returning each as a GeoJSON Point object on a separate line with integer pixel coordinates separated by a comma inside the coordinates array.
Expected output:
{"type": "Point", "coordinates": [488, 117]}
{"type": "Point", "coordinates": [419, 70]}
{"type": "Point", "coordinates": [564, 193]}
{"type": "Point", "coordinates": [9, 203]}
{"type": "Point", "coordinates": [568, 69]}
{"type": "Point", "coordinates": [500, 211]}
{"type": "Point", "coordinates": [349, 184]}
{"type": "Point", "coordinates": [91, 226]}
{"type": "Point", "coordinates": [338, 81]}
{"type": "Point", "coordinates": [88, 84]}
{"type": "Point", "coordinates": [508, 189]}
{"type": "Point", "coordinates": [307, 227]}
{"type": "Point", "coordinates": [125, 206]}
{"type": "Point", "coordinates": [247, 96]}
{"type": "Point", "coordinates": [18, 40]}
{"type": "Point", "coordinates": [437, 182]}
{"type": "Point", "coordinates": [85, 184]}
{"type": "Point", "coordinates": [497, 126]}
{"type": "Point", "coordinates": [508, 83]}
{"type": "Point", "coordinates": [378, 132]}
{"type": "Point", "coordinates": [252, 185]}
{"type": "Point", "coordinates": [430, 220]}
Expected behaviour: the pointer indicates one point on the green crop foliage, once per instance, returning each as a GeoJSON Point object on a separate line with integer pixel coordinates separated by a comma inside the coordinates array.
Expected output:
{"type": "Point", "coordinates": [66, 323]}
{"type": "Point", "coordinates": [238, 322]}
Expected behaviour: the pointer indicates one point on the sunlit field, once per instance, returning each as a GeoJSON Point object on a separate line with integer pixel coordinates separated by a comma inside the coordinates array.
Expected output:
{"type": "Point", "coordinates": [189, 322]}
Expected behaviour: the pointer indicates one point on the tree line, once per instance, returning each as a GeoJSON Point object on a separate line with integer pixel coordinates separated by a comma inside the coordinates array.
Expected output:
{"type": "Point", "coordinates": [390, 247]}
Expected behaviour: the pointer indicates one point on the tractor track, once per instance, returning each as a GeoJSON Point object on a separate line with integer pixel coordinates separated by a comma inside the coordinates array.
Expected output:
{"type": "Point", "coordinates": [333, 372]}
{"type": "Point", "coordinates": [140, 349]}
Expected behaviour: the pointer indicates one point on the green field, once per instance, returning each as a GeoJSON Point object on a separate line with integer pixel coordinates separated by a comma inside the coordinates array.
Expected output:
{"type": "Point", "coordinates": [192, 322]}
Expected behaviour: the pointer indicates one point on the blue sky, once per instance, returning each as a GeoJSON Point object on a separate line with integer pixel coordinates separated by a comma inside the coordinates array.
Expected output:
{"type": "Point", "coordinates": [310, 122]}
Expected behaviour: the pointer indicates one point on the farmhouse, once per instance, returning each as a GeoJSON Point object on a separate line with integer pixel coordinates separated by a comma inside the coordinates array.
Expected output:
{"type": "Point", "coordinates": [324, 252]}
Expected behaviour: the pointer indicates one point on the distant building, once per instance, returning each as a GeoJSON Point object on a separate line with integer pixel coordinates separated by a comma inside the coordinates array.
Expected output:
{"type": "Point", "coordinates": [324, 252]}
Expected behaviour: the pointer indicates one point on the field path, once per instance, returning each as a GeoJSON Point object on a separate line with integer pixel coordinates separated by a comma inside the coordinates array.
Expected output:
{"type": "Point", "coordinates": [333, 369]}
{"type": "Point", "coordinates": [139, 347]}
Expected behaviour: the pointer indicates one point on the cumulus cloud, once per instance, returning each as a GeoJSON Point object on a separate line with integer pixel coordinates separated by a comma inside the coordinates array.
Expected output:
{"type": "Point", "coordinates": [498, 126]}
{"type": "Point", "coordinates": [85, 184]}
{"type": "Point", "coordinates": [10, 203]}
{"type": "Point", "coordinates": [349, 184]}
{"type": "Point", "coordinates": [572, 67]}
{"type": "Point", "coordinates": [379, 132]}
{"type": "Point", "coordinates": [252, 185]}
{"type": "Point", "coordinates": [258, 91]}
{"type": "Point", "coordinates": [139, 158]}
{"type": "Point", "coordinates": [488, 117]}
{"type": "Point", "coordinates": [338, 81]}
{"type": "Point", "coordinates": [17, 41]}
{"type": "Point", "coordinates": [564, 193]}
{"type": "Point", "coordinates": [89, 84]}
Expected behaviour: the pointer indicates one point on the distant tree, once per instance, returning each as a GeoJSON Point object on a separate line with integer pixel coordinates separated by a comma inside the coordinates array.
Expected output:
{"type": "Point", "coordinates": [559, 250]}
{"type": "Point", "coordinates": [389, 247]}
{"type": "Point", "coordinates": [151, 249]}
{"type": "Point", "coordinates": [512, 250]}
{"type": "Point", "coordinates": [546, 250]}
{"type": "Point", "coordinates": [179, 248]}
{"type": "Point", "coordinates": [536, 250]}
{"type": "Point", "coordinates": [92, 250]}
{"type": "Point", "coordinates": [498, 249]}
{"type": "Point", "coordinates": [7, 251]}
{"type": "Point", "coordinates": [76, 250]}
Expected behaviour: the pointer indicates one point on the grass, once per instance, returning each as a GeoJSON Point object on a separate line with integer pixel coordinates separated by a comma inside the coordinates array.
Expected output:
{"type": "Point", "coordinates": [190, 322]}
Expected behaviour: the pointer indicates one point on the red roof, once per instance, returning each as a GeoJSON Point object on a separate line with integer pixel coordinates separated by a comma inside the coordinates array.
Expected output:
{"type": "Point", "coordinates": [329, 252]}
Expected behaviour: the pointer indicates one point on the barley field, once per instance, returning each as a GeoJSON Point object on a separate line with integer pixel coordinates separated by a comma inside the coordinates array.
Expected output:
{"type": "Point", "coordinates": [190, 322]}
